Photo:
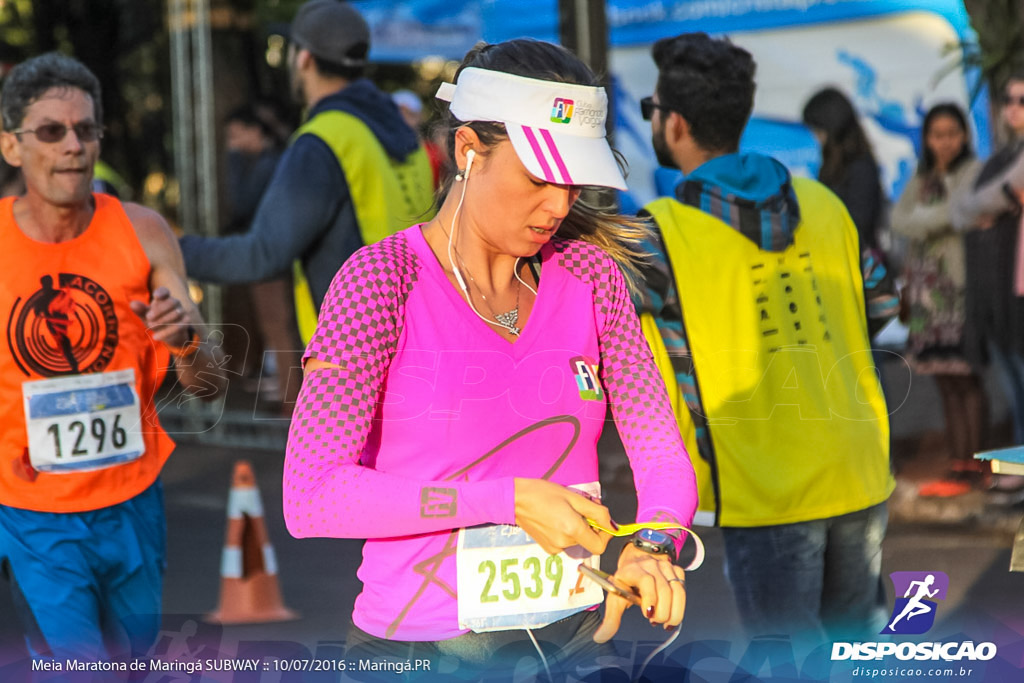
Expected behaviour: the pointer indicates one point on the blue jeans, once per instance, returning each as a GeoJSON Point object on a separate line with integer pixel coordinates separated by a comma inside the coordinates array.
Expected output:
{"type": "Point", "coordinates": [812, 580]}
{"type": "Point", "coordinates": [87, 585]}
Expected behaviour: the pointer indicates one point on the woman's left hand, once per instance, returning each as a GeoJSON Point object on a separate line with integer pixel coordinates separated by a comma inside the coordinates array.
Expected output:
{"type": "Point", "coordinates": [660, 583]}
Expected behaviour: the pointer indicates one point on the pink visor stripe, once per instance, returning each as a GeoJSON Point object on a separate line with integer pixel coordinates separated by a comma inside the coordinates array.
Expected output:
{"type": "Point", "coordinates": [557, 156]}
{"type": "Point", "coordinates": [537, 152]}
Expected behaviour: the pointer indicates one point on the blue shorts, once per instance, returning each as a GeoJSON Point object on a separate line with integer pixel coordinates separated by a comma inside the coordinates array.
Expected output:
{"type": "Point", "coordinates": [87, 585]}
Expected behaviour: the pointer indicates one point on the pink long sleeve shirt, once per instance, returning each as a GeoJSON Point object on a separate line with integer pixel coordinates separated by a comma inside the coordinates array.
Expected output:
{"type": "Point", "coordinates": [430, 415]}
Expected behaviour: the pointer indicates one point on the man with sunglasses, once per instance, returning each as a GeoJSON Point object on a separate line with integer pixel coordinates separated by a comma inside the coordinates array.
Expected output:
{"type": "Point", "coordinates": [95, 306]}
{"type": "Point", "coordinates": [754, 307]}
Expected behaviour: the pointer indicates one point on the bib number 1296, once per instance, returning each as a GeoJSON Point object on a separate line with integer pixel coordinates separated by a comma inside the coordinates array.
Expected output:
{"type": "Point", "coordinates": [83, 422]}
{"type": "Point", "coordinates": [76, 435]}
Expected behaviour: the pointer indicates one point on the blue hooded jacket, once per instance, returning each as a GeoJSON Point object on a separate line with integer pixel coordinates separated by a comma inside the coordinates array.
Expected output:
{"type": "Point", "coordinates": [752, 193]}
{"type": "Point", "coordinates": [306, 212]}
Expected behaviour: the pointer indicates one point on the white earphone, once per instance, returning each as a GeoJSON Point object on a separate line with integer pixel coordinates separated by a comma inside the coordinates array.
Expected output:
{"type": "Point", "coordinates": [470, 155]}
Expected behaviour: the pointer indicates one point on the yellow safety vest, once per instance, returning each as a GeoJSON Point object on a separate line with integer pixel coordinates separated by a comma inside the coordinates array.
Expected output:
{"type": "Point", "coordinates": [101, 170]}
{"type": "Point", "coordinates": [387, 195]}
{"type": "Point", "coordinates": [797, 420]}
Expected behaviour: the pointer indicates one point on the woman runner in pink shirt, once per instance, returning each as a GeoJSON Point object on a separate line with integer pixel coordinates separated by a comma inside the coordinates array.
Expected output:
{"type": "Point", "coordinates": [456, 388]}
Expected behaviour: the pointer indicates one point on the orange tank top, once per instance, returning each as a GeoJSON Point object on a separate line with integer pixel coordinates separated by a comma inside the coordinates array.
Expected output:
{"type": "Point", "coordinates": [79, 370]}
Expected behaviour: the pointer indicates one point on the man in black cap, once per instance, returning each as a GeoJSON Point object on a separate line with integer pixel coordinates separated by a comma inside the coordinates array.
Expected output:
{"type": "Point", "coordinates": [354, 173]}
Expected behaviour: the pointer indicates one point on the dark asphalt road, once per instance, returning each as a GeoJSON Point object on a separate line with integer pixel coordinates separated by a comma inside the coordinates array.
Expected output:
{"type": "Point", "coordinates": [317, 578]}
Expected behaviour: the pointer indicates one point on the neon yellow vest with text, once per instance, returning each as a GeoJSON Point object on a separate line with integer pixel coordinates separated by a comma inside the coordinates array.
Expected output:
{"type": "Point", "coordinates": [798, 423]}
{"type": "Point", "coordinates": [387, 195]}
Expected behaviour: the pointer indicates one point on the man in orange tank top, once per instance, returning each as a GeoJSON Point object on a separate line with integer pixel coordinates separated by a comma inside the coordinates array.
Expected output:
{"type": "Point", "coordinates": [95, 306]}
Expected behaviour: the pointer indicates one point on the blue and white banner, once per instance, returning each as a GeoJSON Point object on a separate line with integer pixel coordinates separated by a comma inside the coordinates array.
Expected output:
{"type": "Point", "coordinates": [895, 58]}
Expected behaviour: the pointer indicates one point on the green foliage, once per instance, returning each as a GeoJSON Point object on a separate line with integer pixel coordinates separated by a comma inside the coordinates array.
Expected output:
{"type": "Point", "coordinates": [1000, 50]}
{"type": "Point", "coordinates": [15, 29]}
{"type": "Point", "coordinates": [275, 11]}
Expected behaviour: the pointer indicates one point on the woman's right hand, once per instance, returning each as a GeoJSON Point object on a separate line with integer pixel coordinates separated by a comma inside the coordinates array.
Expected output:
{"type": "Point", "coordinates": [556, 517]}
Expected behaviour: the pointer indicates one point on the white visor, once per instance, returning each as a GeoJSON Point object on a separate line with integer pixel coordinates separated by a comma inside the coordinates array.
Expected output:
{"type": "Point", "coordinates": [557, 129]}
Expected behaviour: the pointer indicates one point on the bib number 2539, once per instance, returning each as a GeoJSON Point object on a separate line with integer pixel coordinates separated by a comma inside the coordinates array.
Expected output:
{"type": "Point", "coordinates": [532, 582]}
{"type": "Point", "coordinates": [507, 581]}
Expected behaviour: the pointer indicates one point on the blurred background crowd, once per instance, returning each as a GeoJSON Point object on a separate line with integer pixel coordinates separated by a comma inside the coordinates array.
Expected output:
{"type": "Point", "coordinates": [895, 108]}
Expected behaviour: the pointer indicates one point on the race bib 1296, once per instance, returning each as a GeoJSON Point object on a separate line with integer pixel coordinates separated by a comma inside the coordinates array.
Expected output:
{"type": "Point", "coordinates": [83, 422]}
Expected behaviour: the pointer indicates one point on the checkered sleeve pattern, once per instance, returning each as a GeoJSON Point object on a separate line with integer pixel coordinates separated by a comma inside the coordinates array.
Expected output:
{"type": "Point", "coordinates": [327, 492]}
{"type": "Point", "coordinates": [665, 482]}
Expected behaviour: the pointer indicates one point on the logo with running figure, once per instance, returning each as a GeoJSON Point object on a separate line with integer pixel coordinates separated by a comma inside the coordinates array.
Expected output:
{"type": "Point", "coordinates": [65, 327]}
{"type": "Point", "coordinates": [585, 370]}
{"type": "Point", "coordinates": [914, 612]}
{"type": "Point", "coordinates": [561, 110]}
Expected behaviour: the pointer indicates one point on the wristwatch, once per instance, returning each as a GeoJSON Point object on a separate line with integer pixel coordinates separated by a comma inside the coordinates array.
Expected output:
{"type": "Point", "coordinates": [655, 542]}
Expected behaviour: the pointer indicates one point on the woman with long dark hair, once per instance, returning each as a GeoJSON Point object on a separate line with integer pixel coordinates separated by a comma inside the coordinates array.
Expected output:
{"type": "Point", "coordinates": [848, 165]}
{"type": "Point", "coordinates": [933, 294]}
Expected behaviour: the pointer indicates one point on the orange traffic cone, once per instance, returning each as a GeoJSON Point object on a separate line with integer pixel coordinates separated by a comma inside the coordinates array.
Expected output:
{"type": "Point", "coordinates": [249, 592]}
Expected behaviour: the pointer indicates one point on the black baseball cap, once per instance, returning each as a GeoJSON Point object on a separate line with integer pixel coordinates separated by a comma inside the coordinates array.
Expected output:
{"type": "Point", "coordinates": [331, 30]}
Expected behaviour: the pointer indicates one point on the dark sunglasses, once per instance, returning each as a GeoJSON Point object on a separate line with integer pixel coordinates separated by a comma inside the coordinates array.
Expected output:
{"type": "Point", "coordinates": [647, 107]}
{"type": "Point", "coordinates": [1010, 99]}
{"type": "Point", "coordinates": [86, 131]}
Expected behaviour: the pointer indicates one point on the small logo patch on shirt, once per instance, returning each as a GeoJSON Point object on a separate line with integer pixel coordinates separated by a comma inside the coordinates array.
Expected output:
{"type": "Point", "coordinates": [437, 502]}
{"type": "Point", "coordinates": [585, 370]}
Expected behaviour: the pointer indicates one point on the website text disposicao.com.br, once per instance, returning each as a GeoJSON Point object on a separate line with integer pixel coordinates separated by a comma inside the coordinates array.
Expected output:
{"type": "Point", "coordinates": [903, 672]}
{"type": "Point", "coordinates": [949, 660]}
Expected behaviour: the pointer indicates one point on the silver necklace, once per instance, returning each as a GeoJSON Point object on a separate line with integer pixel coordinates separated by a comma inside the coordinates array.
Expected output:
{"type": "Point", "coordinates": [508, 320]}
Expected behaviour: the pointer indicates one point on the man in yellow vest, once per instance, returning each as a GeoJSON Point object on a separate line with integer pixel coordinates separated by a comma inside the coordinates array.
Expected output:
{"type": "Point", "coordinates": [353, 174]}
{"type": "Point", "coordinates": [754, 306]}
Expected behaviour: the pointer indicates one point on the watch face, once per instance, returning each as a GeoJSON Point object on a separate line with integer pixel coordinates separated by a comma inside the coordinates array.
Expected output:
{"type": "Point", "coordinates": [654, 536]}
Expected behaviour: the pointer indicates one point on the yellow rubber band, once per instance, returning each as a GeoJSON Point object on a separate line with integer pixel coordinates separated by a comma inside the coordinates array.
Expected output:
{"type": "Point", "coordinates": [630, 529]}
